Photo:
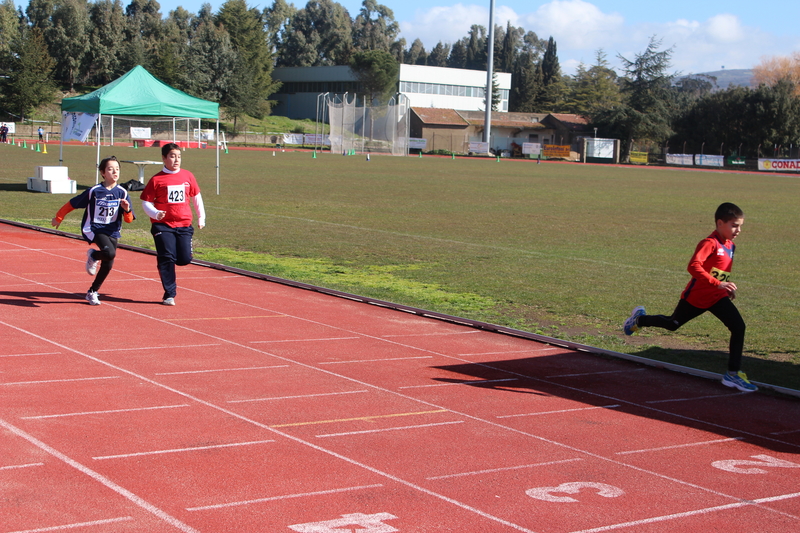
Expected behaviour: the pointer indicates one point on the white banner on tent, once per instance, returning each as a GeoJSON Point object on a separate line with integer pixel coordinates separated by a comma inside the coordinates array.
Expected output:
{"type": "Point", "coordinates": [77, 125]}
{"type": "Point", "coordinates": [709, 160]}
{"type": "Point", "coordinates": [141, 133]}
{"type": "Point", "coordinates": [680, 159]}
{"type": "Point", "coordinates": [532, 148]}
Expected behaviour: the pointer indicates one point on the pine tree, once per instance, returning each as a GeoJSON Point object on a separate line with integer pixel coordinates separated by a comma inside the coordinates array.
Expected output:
{"type": "Point", "coordinates": [30, 78]}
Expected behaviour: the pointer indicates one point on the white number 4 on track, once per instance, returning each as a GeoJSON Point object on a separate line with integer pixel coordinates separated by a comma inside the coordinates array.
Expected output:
{"type": "Point", "coordinates": [764, 461]}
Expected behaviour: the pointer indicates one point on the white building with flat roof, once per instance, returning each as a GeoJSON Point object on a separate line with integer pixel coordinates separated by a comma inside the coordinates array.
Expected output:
{"type": "Point", "coordinates": [437, 87]}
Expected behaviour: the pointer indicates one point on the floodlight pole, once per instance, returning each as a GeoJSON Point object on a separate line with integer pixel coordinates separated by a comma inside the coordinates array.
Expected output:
{"type": "Point", "coordinates": [487, 121]}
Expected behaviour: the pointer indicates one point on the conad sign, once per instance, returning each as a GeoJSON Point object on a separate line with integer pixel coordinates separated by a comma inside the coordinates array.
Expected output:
{"type": "Point", "coordinates": [779, 164]}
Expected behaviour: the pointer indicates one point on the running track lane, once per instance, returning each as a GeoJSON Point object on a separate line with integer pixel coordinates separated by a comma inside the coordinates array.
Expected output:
{"type": "Point", "coordinates": [256, 407]}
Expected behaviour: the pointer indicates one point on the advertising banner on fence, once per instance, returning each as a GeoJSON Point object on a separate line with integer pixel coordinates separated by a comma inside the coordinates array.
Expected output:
{"type": "Point", "coordinates": [556, 150]}
{"type": "Point", "coordinates": [479, 147]}
{"type": "Point", "coordinates": [780, 165]}
{"type": "Point", "coordinates": [600, 148]}
{"type": "Point", "coordinates": [532, 148]}
{"type": "Point", "coordinates": [317, 138]}
{"type": "Point", "coordinates": [292, 138]}
{"type": "Point", "coordinates": [680, 159]}
{"type": "Point", "coordinates": [417, 144]}
{"type": "Point", "coordinates": [639, 157]}
{"type": "Point", "coordinates": [709, 160]}
{"type": "Point", "coordinates": [735, 161]}
{"type": "Point", "coordinates": [141, 133]}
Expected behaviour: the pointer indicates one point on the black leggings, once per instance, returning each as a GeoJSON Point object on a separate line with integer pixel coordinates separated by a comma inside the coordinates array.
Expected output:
{"type": "Point", "coordinates": [723, 310]}
{"type": "Point", "coordinates": [106, 255]}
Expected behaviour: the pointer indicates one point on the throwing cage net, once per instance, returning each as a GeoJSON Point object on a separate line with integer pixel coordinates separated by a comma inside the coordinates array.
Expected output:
{"type": "Point", "coordinates": [367, 128]}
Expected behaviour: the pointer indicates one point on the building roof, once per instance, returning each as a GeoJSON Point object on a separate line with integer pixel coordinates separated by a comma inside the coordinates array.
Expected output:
{"type": "Point", "coordinates": [441, 117]}
{"type": "Point", "coordinates": [572, 122]}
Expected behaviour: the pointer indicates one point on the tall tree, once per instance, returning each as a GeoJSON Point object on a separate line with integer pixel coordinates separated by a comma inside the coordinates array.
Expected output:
{"type": "Point", "coordinates": [593, 89]}
{"type": "Point", "coordinates": [377, 70]}
{"type": "Point", "coordinates": [458, 54]}
{"type": "Point", "coordinates": [211, 61]}
{"type": "Point", "coordinates": [646, 111]}
{"type": "Point", "coordinates": [476, 48]}
{"type": "Point", "coordinates": [68, 37]}
{"type": "Point", "coordinates": [9, 30]}
{"type": "Point", "coordinates": [278, 19]}
{"type": "Point", "coordinates": [374, 28]}
{"type": "Point", "coordinates": [320, 34]}
{"type": "Point", "coordinates": [107, 20]}
{"type": "Point", "coordinates": [553, 85]}
{"type": "Point", "coordinates": [439, 54]}
{"type": "Point", "coordinates": [30, 78]}
{"type": "Point", "coordinates": [414, 53]}
{"type": "Point", "coordinates": [771, 70]}
{"type": "Point", "coordinates": [142, 33]}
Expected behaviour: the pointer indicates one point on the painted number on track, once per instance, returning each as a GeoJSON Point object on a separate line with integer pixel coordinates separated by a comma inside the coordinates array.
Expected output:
{"type": "Point", "coordinates": [764, 461]}
{"type": "Point", "coordinates": [363, 523]}
{"type": "Point", "coordinates": [548, 494]}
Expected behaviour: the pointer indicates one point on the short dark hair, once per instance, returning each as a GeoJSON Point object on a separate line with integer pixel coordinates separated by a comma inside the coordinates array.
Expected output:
{"type": "Point", "coordinates": [167, 148]}
{"type": "Point", "coordinates": [727, 212]}
{"type": "Point", "coordinates": [104, 163]}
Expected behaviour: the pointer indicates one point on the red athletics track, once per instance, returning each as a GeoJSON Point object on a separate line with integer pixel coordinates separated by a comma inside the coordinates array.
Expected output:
{"type": "Point", "coordinates": [252, 406]}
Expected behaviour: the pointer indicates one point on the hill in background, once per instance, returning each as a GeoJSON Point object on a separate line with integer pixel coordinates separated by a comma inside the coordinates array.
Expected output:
{"type": "Point", "coordinates": [727, 78]}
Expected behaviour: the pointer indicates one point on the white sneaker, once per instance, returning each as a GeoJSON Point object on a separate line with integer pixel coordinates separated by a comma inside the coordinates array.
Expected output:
{"type": "Point", "coordinates": [91, 263]}
{"type": "Point", "coordinates": [92, 298]}
{"type": "Point", "coordinates": [169, 301]}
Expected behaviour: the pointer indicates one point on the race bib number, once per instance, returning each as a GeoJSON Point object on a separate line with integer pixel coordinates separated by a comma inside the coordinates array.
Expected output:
{"type": "Point", "coordinates": [721, 275]}
{"type": "Point", "coordinates": [105, 211]}
{"type": "Point", "coordinates": [176, 194]}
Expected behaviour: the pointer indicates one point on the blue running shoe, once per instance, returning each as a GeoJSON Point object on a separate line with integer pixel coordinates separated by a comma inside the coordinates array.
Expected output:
{"type": "Point", "coordinates": [738, 381]}
{"type": "Point", "coordinates": [630, 324]}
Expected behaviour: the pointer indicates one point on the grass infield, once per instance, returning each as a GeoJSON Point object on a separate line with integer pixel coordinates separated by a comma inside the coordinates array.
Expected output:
{"type": "Point", "coordinates": [566, 250]}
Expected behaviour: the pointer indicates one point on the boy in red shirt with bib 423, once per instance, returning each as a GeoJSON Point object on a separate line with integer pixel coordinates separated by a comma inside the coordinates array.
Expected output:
{"type": "Point", "coordinates": [710, 289]}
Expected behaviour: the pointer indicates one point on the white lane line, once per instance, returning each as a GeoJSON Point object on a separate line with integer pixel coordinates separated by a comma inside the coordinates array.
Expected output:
{"type": "Point", "coordinates": [467, 382]}
{"type": "Point", "coordinates": [789, 432]}
{"type": "Point", "coordinates": [219, 370]}
{"type": "Point", "coordinates": [307, 340]}
{"type": "Point", "coordinates": [72, 380]}
{"type": "Point", "coordinates": [101, 479]}
{"type": "Point", "coordinates": [28, 354]}
{"type": "Point", "coordinates": [597, 373]}
{"type": "Point", "coordinates": [14, 467]}
{"type": "Point", "coordinates": [76, 525]}
{"type": "Point", "coordinates": [561, 411]}
{"type": "Point", "coordinates": [284, 497]}
{"type": "Point", "coordinates": [374, 360]}
{"type": "Point", "coordinates": [297, 397]}
{"type": "Point", "coordinates": [728, 395]}
{"type": "Point", "coordinates": [689, 445]}
{"type": "Point", "coordinates": [443, 334]}
{"type": "Point", "coordinates": [158, 348]}
{"type": "Point", "coordinates": [388, 429]}
{"type": "Point", "coordinates": [110, 411]}
{"type": "Point", "coordinates": [707, 510]}
{"type": "Point", "coordinates": [180, 450]}
{"type": "Point", "coordinates": [504, 469]}
{"type": "Point", "coordinates": [532, 350]}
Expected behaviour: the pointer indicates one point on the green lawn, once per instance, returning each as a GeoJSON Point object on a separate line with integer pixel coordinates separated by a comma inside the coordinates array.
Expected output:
{"type": "Point", "coordinates": [562, 249]}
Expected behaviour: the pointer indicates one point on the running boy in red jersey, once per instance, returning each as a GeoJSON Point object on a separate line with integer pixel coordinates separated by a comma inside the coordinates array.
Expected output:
{"type": "Point", "coordinates": [710, 289]}
{"type": "Point", "coordinates": [106, 205]}
{"type": "Point", "coordinates": [165, 199]}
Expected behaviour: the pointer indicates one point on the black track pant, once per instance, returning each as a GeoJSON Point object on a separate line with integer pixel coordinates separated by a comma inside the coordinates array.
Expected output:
{"type": "Point", "coordinates": [173, 247]}
{"type": "Point", "coordinates": [106, 255]}
{"type": "Point", "coordinates": [723, 310]}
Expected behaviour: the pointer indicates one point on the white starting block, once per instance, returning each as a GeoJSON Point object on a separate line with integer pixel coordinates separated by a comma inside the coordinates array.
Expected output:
{"type": "Point", "coordinates": [53, 180]}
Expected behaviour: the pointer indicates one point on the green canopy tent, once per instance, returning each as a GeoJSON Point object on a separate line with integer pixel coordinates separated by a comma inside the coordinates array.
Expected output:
{"type": "Point", "coordinates": [139, 93]}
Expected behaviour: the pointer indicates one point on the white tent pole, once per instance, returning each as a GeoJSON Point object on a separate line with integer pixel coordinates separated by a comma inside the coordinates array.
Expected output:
{"type": "Point", "coordinates": [218, 156]}
{"type": "Point", "coordinates": [174, 137]}
{"type": "Point", "coordinates": [61, 142]}
{"type": "Point", "coordinates": [112, 130]}
{"type": "Point", "coordinates": [97, 163]}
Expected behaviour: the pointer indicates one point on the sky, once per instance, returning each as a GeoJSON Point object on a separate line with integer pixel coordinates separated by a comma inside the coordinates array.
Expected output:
{"type": "Point", "coordinates": [706, 35]}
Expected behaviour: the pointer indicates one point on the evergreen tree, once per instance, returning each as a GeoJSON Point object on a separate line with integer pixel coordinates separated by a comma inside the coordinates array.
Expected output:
{"type": "Point", "coordinates": [9, 31]}
{"type": "Point", "coordinates": [68, 38]}
{"type": "Point", "coordinates": [414, 53]}
{"type": "Point", "coordinates": [476, 48]}
{"type": "Point", "coordinates": [278, 19]}
{"type": "Point", "coordinates": [30, 77]}
{"type": "Point", "coordinates": [593, 89]}
{"type": "Point", "coordinates": [320, 34]}
{"type": "Point", "coordinates": [211, 61]}
{"type": "Point", "coordinates": [377, 70]}
{"type": "Point", "coordinates": [107, 22]}
{"type": "Point", "coordinates": [458, 54]}
{"type": "Point", "coordinates": [439, 54]}
{"type": "Point", "coordinates": [553, 84]}
{"type": "Point", "coordinates": [374, 28]}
